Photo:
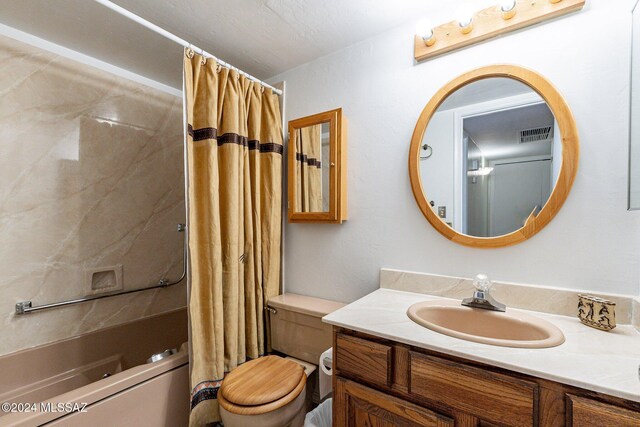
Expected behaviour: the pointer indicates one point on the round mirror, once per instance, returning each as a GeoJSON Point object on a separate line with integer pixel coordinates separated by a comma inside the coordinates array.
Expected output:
{"type": "Point", "coordinates": [493, 156]}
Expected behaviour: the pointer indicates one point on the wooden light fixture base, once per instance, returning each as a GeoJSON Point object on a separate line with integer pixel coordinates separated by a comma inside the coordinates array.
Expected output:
{"type": "Point", "coordinates": [489, 23]}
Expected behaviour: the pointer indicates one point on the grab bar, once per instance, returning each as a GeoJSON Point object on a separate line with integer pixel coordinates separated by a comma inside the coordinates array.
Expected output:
{"type": "Point", "coordinates": [24, 307]}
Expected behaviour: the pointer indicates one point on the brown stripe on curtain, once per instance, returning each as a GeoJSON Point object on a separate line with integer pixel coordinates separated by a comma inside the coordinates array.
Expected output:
{"type": "Point", "coordinates": [234, 154]}
{"type": "Point", "coordinates": [309, 160]}
{"type": "Point", "coordinates": [210, 133]}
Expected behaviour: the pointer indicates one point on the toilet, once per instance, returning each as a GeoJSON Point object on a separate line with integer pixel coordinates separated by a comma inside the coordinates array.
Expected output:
{"type": "Point", "coordinates": [276, 390]}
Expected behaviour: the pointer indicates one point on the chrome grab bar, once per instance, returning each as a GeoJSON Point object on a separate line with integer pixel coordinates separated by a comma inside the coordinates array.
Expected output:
{"type": "Point", "coordinates": [24, 307]}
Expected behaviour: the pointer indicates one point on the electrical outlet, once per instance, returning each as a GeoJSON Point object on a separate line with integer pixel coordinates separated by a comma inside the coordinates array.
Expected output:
{"type": "Point", "coordinates": [442, 211]}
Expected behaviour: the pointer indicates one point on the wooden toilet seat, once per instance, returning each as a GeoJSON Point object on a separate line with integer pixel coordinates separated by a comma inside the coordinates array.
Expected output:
{"type": "Point", "coordinates": [262, 385]}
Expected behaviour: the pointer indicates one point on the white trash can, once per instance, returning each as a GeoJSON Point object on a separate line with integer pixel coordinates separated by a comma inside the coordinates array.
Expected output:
{"type": "Point", "coordinates": [319, 417]}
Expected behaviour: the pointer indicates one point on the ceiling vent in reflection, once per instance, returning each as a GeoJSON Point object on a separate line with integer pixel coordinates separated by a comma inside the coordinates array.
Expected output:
{"type": "Point", "coordinates": [541, 134]}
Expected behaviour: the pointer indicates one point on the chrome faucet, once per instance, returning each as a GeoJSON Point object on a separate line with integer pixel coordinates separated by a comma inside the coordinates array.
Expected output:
{"type": "Point", "coordinates": [481, 297]}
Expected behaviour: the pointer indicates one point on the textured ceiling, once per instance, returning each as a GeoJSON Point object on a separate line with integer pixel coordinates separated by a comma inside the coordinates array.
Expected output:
{"type": "Point", "coordinates": [266, 37]}
{"type": "Point", "coordinates": [262, 37]}
{"type": "Point", "coordinates": [483, 91]}
{"type": "Point", "coordinates": [497, 134]}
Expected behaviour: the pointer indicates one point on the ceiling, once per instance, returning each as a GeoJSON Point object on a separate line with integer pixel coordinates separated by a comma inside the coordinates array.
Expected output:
{"type": "Point", "coordinates": [497, 134]}
{"type": "Point", "coordinates": [484, 90]}
{"type": "Point", "coordinates": [262, 37]}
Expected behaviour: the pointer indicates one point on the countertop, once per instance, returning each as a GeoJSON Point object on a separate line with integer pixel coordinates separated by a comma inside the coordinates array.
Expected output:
{"type": "Point", "coordinates": [605, 362]}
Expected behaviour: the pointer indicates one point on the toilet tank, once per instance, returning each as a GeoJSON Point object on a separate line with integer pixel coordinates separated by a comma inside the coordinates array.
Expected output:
{"type": "Point", "coordinates": [296, 325]}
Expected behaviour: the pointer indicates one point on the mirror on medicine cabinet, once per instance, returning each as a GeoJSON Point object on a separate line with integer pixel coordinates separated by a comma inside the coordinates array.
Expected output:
{"type": "Point", "coordinates": [317, 168]}
{"type": "Point", "coordinates": [634, 146]}
{"type": "Point", "coordinates": [493, 156]}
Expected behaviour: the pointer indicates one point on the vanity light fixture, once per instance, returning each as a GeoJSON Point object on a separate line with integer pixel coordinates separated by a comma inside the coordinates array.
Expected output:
{"type": "Point", "coordinates": [508, 9]}
{"type": "Point", "coordinates": [471, 28]}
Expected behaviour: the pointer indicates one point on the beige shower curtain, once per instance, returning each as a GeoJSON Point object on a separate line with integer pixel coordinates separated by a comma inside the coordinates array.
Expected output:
{"type": "Point", "coordinates": [308, 143]}
{"type": "Point", "coordinates": [234, 152]}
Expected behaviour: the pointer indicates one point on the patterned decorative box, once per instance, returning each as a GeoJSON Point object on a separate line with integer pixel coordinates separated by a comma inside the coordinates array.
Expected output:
{"type": "Point", "coordinates": [597, 312]}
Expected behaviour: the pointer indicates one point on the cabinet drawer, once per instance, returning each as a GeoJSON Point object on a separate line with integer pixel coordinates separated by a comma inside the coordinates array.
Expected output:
{"type": "Point", "coordinates": [489, 396]}
{"type": "Point", "coordinates": [586, 412]}
{"type": "Point", "coordinates": [363, 359]}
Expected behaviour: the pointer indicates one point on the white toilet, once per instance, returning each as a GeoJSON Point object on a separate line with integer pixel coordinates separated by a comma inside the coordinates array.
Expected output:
{"type": "Point", "coordinates": [273, 391]}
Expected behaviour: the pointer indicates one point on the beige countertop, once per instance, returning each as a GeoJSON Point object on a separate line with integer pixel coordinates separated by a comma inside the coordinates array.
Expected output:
{"type": "Point", "coordinates": [605, 362]}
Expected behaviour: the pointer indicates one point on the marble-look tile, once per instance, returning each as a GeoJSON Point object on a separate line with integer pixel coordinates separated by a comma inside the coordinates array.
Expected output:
{"type": "Point", "coordinates": [605, 362]}
{"type": "Point", "coordinates": [91, 176]}
{"type": "Point", "coordinates": [528, 297]}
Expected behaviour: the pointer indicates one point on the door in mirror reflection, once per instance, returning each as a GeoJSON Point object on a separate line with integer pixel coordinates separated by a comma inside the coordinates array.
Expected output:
{"type": "Point", "coordinates": [493, 157]}
{"type": "Point", "coordinates": [312, 145]}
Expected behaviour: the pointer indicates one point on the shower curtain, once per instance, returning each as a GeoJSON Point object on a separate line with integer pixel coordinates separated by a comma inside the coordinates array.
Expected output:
{"type": "Point", "coordinates": [308, 143]}
{"type": "Point", "coordinates": [234, 155]}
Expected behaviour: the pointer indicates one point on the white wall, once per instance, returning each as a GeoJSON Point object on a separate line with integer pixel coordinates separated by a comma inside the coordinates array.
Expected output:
{"type": "Point", "coordinates": [634, 196]}
{"type": "Point", "coordinates": [593, 243]}
{"type": "Point", "coordinates": [436, 172]}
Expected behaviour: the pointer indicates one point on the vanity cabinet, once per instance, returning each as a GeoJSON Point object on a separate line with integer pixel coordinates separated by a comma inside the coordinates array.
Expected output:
{"type": "Point", "coordinates": [379, 382]}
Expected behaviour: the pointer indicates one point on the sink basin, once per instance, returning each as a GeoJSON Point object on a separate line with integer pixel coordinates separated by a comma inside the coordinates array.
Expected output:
{"type": "Point", "coordinates": [506, 329]}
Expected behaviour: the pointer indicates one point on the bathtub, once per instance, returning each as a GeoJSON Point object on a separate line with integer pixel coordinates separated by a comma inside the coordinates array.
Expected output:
{"type": "Point", "coordinates": [101, 378]}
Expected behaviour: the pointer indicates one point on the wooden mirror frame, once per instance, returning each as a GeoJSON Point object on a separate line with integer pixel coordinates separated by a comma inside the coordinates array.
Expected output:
{"type": "Point", "coordinates": [570, 155]}
{"type": "Point", "coordinates": [337, 169]}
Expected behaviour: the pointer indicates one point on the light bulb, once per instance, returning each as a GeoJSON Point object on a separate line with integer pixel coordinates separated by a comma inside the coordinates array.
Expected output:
{"type": "Point", "coordinates": [507, 5]}
{"type": "Point", "coordinates": [425, 30]}
{"type": "Point", "coordinates": [554, 1]}
{"type": "Point", "coordinates": [508, 9]}
{"type": "Point", "coordinates": [483, 171]}
{"type": "Point", "coordinates": [429, 39]}
{"type": "Point", "coordinates": [465, 19]}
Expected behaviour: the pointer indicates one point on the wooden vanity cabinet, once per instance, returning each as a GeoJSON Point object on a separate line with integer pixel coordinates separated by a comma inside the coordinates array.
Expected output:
{"type": "Point", "coordinates": [379, 382]}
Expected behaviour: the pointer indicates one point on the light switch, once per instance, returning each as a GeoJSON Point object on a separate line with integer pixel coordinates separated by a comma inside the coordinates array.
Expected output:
{"type": "Point", "coordinates": [442, 211]}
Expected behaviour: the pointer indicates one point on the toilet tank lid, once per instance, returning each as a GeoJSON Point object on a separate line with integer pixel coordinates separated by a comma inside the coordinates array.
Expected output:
{"type": "Point", "coordinates": [317, 307]}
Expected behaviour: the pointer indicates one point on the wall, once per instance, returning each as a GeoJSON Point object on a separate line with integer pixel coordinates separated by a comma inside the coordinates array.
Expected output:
{"type": "Point", "coordinates": [593, 243]}
{"type": "Point", "coordinates": [91, 176]}
{"type": "Point", "coordinates": [437, 171]}
{"type": "Point", "coordinates": [634, 196]}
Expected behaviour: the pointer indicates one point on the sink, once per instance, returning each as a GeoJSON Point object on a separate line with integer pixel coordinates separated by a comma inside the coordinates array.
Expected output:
{"type": "Point", "coordinates": [506, 329]}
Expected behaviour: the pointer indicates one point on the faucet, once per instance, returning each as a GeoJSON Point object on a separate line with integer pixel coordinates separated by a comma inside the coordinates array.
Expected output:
{"type": "Point", "coordinates": [481, 297]}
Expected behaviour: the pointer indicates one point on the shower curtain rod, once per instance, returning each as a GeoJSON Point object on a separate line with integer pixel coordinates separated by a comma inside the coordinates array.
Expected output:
{"type": "Point", "coordinates": [127, 14]}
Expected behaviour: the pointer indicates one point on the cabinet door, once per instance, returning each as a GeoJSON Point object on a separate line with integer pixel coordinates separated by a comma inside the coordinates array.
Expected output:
{"type": "Point", "coordinates": [357, 405]}
{"type": "Point", "coordinates": [587, 413]}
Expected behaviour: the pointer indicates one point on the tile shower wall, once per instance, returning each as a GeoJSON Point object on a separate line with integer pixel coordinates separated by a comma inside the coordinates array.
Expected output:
{"type": "Point", "coordinates": [91, 177]}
